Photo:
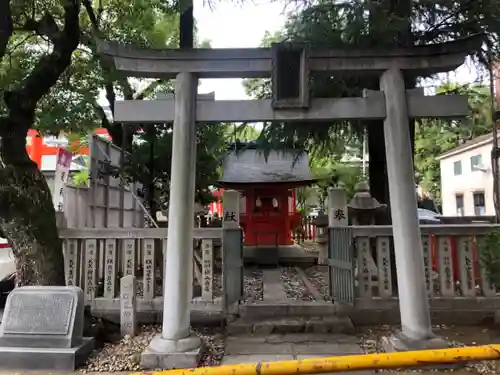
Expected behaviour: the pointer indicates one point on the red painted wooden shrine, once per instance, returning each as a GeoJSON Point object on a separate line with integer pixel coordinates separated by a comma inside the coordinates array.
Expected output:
{"type": "Point", "coordinates": [268, 211]}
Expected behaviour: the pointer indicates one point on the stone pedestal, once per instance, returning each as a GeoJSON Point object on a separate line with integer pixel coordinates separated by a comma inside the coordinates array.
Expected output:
{"type": "Point", "coordinates": [172, 354]}
{"type": "Point", "coordinates": [399, 342]}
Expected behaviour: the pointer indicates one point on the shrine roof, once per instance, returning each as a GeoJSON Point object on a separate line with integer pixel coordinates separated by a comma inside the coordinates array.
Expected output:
{"type": "Point", "coordinates": [250, 166]}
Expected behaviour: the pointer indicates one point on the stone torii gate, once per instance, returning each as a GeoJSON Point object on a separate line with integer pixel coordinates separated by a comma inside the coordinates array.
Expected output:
{"type": "Point", "coordinates": [289, 65]}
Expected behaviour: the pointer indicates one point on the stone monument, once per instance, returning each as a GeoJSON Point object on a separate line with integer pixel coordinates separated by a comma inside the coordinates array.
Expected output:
{"type": "Point", "coordinates": [42, 329]}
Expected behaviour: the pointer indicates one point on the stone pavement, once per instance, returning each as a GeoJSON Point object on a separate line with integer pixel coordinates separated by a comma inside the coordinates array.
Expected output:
{"type": "Point", "coordinates": [283, 347]}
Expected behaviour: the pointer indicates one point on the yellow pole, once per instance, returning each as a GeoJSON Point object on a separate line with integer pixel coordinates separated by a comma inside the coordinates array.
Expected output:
{"type": "Point", "coordinates": [347, 363]}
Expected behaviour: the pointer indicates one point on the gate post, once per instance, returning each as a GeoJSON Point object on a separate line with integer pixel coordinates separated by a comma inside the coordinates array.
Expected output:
{"type": "Point", "coordinates": [340, 255]}
{"type": "Point", "coordinates": [231, 209]}
{"type": "Point", "coordinates": [232, 269]}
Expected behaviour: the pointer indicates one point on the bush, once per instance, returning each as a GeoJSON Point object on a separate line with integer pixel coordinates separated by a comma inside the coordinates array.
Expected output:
{"type": "Point", "coordinates": [489, 252]}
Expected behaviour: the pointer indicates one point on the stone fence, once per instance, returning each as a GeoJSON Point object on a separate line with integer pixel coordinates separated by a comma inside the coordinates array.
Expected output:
{"type": "Point", "coordinates": [455, 278]}
{"type": "Point", "coordinates": [96, 259]}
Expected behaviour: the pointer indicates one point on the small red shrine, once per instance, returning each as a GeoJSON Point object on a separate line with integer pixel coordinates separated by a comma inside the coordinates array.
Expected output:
{"type": "Point", "coordinates": [268, 199]}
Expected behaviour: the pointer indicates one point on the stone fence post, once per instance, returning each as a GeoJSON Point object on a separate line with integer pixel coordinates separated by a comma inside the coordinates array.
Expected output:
{"type": "Point", "coordinates": [128, 321]}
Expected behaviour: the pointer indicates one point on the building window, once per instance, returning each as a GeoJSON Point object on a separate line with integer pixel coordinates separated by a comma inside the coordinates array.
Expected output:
{"type": "Point", "coordinates": [479, 204]}
{"type": "Point", "coordinates": [459, 200]}
{"type": "Point", "coordinates": [475, 162]}
{"type": "Point", "coordinates": [457, 168]}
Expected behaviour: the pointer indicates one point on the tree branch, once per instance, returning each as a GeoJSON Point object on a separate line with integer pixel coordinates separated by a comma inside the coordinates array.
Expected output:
{"type": "Point", "coordinates": [6, 26]}
{"type": "Point", "coordinates": [149, 89]}
{"type": "Point", "coordinates": [106, 65]}
{"type": "Point", "coordinates": [22, 102]}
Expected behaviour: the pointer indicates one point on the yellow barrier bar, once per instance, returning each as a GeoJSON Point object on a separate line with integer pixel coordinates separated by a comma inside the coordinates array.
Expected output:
{"type": "Point", "coordinates": [347, 363]}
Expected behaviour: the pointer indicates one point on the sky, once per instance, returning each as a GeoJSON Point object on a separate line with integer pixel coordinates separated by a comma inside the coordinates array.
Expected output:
{"type": "Point", "coordinates": [229, 24]}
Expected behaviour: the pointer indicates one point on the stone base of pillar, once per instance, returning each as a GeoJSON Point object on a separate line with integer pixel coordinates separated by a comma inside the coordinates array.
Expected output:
{"type": "Point", "coordinates": [400, 343]}
{"type": "Point", "coordinates": [170, 354]}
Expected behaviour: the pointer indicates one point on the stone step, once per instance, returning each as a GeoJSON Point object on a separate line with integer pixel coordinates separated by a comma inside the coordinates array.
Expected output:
{"type": "Point", "coordinates": [266, 310]}
{"type": "Point", "coordinates": [280, 325]}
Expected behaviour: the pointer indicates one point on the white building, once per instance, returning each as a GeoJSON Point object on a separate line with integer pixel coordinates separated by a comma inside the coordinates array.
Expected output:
{"type": "Point", "coordinates": [467, 179]}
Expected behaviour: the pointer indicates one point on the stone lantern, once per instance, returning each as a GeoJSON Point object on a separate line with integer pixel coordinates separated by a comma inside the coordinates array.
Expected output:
{"type": "Point", "coordinates": [321, 236]}
{"type": "Point", "coordinates": [363, 209]}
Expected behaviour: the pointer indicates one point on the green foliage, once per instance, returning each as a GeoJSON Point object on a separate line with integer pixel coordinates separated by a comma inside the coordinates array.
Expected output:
{"type": "Point", "coordinates": [335, 174]}
{"type": "Point", "coordinates": [365, 24]}
{"type": "Point", "coordinates": [489, 252]}
{"type": "Point", "coordinates": [81, 178]}
{"type": "Point", "coordinates": [211, 149]}
{"type": "Point", "coordinates": [435, 137]}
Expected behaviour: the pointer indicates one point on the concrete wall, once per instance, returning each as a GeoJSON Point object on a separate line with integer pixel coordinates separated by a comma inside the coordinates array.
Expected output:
{"type": "Point", "coordinates": [468, 182]}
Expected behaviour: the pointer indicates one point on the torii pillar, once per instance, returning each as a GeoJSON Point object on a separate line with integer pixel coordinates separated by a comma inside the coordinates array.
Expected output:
{"type": "Point", "coordinates": [175, 346]}
{"type": "Point", "coordinates": [416, 327]}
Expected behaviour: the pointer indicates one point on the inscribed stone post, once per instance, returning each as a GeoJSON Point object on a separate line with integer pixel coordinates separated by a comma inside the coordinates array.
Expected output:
{"type": "Point", "coordinates": [231, 206]}
{"type": "Point", "coordinates": [128, 292]}
{"type": "Point", "coordinates": [337, 214]}
{"type": "Point", "coordinates": [207, 270]}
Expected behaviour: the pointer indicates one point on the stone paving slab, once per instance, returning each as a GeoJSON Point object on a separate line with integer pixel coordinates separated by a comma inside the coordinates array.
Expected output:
{"type": "Point", "coordinates": [273, 285]}
{"type": "Point", "coordinates": [257, 348]}
{"type": "Point", "coordinates": [268, 348]}
{"type": "Point", "coordinates": [256, 358]}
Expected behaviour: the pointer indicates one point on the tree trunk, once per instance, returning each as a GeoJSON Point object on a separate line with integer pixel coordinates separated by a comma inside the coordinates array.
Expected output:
{"type": "Point", "coordinates": [27, 215]}
{"type": "Point", "coordinates": [377, 171]}
{"type": "Point", "coordinates": [151, 195]}
{"type": "Point", "coordinates": [397, 33]}
{"type": "Point", "coordinates": [186, 26]}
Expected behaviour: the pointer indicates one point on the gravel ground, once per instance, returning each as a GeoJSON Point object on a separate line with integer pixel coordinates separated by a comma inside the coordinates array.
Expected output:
{"type": "Point", "coordinates": [125, 355]}
{"type": "Point", "coordinates": [294, 286]}
{"type": "Point", "coordinates": [253, 287]}
{"type": "Point", "coordinates": [318, 276]}
{"type": "Point", "coordinates": [369, 341]}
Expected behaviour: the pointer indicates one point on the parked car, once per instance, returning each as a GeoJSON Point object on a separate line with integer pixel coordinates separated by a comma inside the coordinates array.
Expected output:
{"type": "Point", "coordinates": [7, 264]}
{"type": "Point", "coordinates": [7, 270]}
{"type": "Point", "coordinates": [428, 216]}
